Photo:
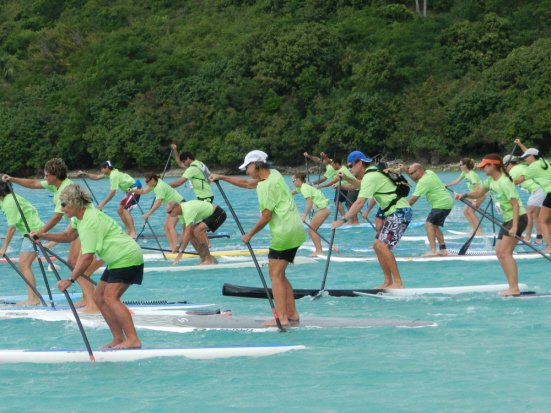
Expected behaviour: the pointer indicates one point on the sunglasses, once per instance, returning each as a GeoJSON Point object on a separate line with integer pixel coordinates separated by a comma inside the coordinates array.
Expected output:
{"type": "Point", "coordinates": [170, 212]}
{"type": "Point", "coordinates": [46, 175]}
{"type": "Point", "coordinates": [411, 173]}
{"type": "Point", "coordinates": [63, 205]}
{"type": "Point", "coordinates": [293, 180]}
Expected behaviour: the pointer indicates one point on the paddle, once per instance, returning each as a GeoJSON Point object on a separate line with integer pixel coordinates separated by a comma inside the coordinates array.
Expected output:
{"type": "Point", "coordinates": [320, 292]}
{"type": "Point", "coordinates": [25, 279]}
{"type": "Point", "coordinates": [35, 249]}
{"type": "Point", "coordinates": [493, 224]}
{"type": "Point", "coordinates": [90, 189]}
{"type": "Point", "coordinates": [53, 254]}
{"type": "Point", "coordinates": [169, 251]}
{"type": "Point", "coordinates": [319, 171]}
{"type": "Point", "coordinates": [253, 257]}
{"type": "Point", "coordinates": [499, 224]}
{"type": "Point", "coordinates": [319, 235]}
{"type": "Point", "coordinates": [153, 202]}
{"type": "Point", "coordinates": [311, 214]}
{"type": "Point", "coordinates": [466, 246]}
{"type": "Point", "coordinates": [148, 224]}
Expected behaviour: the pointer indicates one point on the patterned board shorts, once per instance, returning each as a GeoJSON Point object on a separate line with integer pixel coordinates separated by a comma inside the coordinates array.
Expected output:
{"type": "Point", "coordinates": [394, 226]}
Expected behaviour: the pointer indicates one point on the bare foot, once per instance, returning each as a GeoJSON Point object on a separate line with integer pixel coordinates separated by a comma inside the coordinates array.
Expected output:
{"type": "Point", "coordinates": [89, 309]}
{"type": "Point", "coordinates": [81, 303]}
{"type": "Point", "coordinates": [547, 250]}
{"type": "Point", "coordinates": [130, 343]}
{"type": "Point", "coordinates": [273, 323]}
{"type": "Point", "coordinates": [430, 254]}
{"type": "Point", "coordinates": [293, 317]}
{"type": "Point", "coordinates": [510, 291]}
{"type": "Point", "coordinates": [396, 284]}
{"type": "Point", "coordinates": [382, 286]}
{"type": "Point", "coordinates": [316, 254]}
{"type": "Point", "coordinates": [206, 262]}
{"type": "Point", "coordinates": [28, 303]}
{"type": "Point", "coordinates": [443, 253]}
{"type": "Point", "coordinates": [111, 344]}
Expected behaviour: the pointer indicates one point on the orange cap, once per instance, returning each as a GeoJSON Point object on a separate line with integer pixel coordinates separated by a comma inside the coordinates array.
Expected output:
{"type": "Point", "coordinates": [488, 161]}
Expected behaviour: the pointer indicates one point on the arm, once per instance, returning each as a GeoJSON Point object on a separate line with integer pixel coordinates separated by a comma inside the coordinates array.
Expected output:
{"type": "Point", "coordinates": [139, 191]}
{"type": "Point", "coordinates": [354, 209]}
{"type": "Point", "coordinates": [177, 183]}
{"type": "Point", "coordinates": [316, 182]}
{"type": "Point", "coordinates": [412, 200]}
{"type": "Point", "coordinates": [519, 180]}
{"type": "Point", "coordinates": [27, 183]}
{"type": "Point", "coordinates": [265, 217]}
{"type": "Point", "coordinates": [481, 190]}
{"type": "Point", "coordinates": [334, 180]}
{"type": "Point", "coordinates": [347, 187]}
{"type": "Point", "coordinates": [155, 207]}
{"type": "Point", "coordinates": [240, 182]}
{"type": "Point", "coordinates": [459, 178]}
{"type": "Point", "coordinates": [294, 192]}
{"type": "Point", "coordinates": [516, 209]}
{"type": "Point", "coordinates": [108, 198]}
{"type": "Point", "coordinates": [184, 241]}
{"type": "Point", "coordinates": [314, 158]}
{"type": "Point", "coordinates": [309, 204]}
{"type": "Point", "coordinates": [370, 206]}
{"type": "Point", "coordinates": [69, 235]}
{"type": "Point", "coordinates": [91, 176]}
{"type": "Point", "coordinates": [81, 266]}
{"type": "Point", "coordinates": [405, 170]}
{"type": "Point", "coordinates": [54, 220]}
{"type": "Point", "coordinates": [9, 236]}
{"type": "Point", "coordinates": [521, 146]}
{"type": "Point", "coordinates": [177, 156]}
{"type": "Point", "coordinates": [354, 183]}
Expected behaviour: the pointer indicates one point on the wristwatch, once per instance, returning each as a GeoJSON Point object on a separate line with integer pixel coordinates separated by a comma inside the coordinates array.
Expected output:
{"type": "Point", "coordinates": [344, 220]}
{"type": "Point", "coordinates": [70, 279]}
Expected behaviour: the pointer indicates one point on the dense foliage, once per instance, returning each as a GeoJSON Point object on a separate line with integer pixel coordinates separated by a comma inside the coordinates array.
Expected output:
{"type": "Point", "coordinates": [89, 80]}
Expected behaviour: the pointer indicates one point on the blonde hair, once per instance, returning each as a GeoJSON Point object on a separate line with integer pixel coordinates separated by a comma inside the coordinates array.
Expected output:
{"type": "Point", "coordinates": [76, 196]}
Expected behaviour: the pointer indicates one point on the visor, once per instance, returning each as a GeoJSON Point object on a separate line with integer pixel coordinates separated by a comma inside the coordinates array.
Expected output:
{"type": "Point", "coordinates": [488, 161]}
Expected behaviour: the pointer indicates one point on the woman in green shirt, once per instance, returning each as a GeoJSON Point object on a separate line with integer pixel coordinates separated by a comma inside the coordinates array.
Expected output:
{"type": "Point", "coordinates": [466, 165]}
{"type": "Point", "coordinates": [314, 198]}
{"type": "Point", "coordinates": [507, 202]}
{"type": "Point", "coordinates": [163, 194]}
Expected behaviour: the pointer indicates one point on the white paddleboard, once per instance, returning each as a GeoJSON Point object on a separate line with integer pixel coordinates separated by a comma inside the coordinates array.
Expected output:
{"type": "Point", "coordinates": [491, 256]}
{"type": "Point", "coordinates": [55, 297]}
{"type": "Point", "coordinates": [424, 237]}
{"type": "Point", "coordinates": [408, 292]}
{"type": "Point", "coordinates": [232, 253]}
{"type": "Point", "coordinates": [111, 355]}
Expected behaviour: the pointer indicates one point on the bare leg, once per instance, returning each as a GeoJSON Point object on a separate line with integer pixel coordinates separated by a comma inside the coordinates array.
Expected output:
{"type": "Point", "coordinates": [440, 238]}
{"type": "Point", "coordinates": [198, 234]}
{"type": "Point", "coordinates": [545, 215]}
{"type": "Point", "coordinates": [24, 264]}
{"type": "Point", "coordinates": [316, 222]}
{"type": "Point", "coordinates": [536, 219]}
{"type": "Point", "coordinates": [431, 235]}
{"type": "Point", "coordinates": [283, 293]}
{"type": "Point", "coordinates": [340, 207]}
{"type": "Point", "coordinates": [120, 211]}
{"type": "Point", "coordinates": [87, 288]}
{"type": "Point", "coordinates": [504, 252]}
{"type": "Point", "coordinates": [130, 223]}
{"type": "Point", "coordinates": [117, 316]}
{"type": "Point", "coordinates": [388, 264]}
{"type": "Point", "coordinates": [529, 215]}
{"type": "Point", "coordinates": [171, 233]}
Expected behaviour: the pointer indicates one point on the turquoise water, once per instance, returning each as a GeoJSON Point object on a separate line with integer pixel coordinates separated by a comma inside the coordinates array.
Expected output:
{"type": "Point", "coordinates": [487, 354]}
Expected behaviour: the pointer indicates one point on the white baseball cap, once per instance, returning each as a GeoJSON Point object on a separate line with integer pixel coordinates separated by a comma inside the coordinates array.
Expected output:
{"type": "Point", "coordinates": [531, 151]}
{"type": "Point", "coordinates": [254, 156]}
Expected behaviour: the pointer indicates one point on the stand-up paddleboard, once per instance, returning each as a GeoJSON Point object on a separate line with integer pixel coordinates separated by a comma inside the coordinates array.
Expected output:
{"type": "Point", "coordinates": [16, 259]}
{"type": "Point", "coordinates": [163, 235]}
{"type": "Point", "coordinates": [409, 292]}
{"type": "Point", "coordinates": [470, 256]}
{"type": "Point", "coordinates": [364, 225]}
{"type": "Point", "coordinates": [448, 237]}
{"type": "Point", "coordinates": [56, 297]}
{"type": "Point", "coordinates": [255, 292]}
{"type": "Point", "coordinates": [133, 354]}
{"type": "Point", "coordinates": [530, 294]}
{"type": "Point", "coordinates": [229, 253]}
{"type": "Point", "coordinates": [243, 264]}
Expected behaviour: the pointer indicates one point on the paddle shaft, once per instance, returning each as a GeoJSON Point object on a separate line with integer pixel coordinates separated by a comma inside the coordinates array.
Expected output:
{"type": "Point", "coordinates": [90, 189]}
{"type": "Point", "coordinates": [321, 236]}
{"type": "Point", "coordinates": [34, 246]}
{"type": "Point", "coordinates": [26, 281]}
{"type": "Point", "coordinates": [149, 225]}
{"type": "Point", "coordinates": [170, 251]}
{"type": "Point", "coordinates": [330, 244]}
{"type": "Point", "coordinates": [253, 257]}
{"type": "Point", "coordinates": [466, 246]}
{"type": "Point", "coordinates": [53, 254]}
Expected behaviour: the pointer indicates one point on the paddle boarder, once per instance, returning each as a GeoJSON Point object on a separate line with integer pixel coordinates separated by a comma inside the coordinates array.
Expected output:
{"type": "Point", "coordinates": [507, 203]}
{"type": "Point", "coordinates": [429, 185]}
{"type": "Point", "coordinates": [27, 253]}
{"type": "Point", "coordinates": [466, 165]}
{"type": "Point", "coordinates": [197, 217]}
{"type": "Point", "coordinates": [397, 213]}
{"type": "Point", "coordinates": [101, 235]}
{"type": "Point", "coordinates": [163, 194]}
{"type": "Point", "coordinates": [314, 199]}
{"type": "Point", "coordinates": [348, 193]}
{"type": "Point", "coordinates": [55, 174]}
{"type": "Point", "coordinates": [280, 212]}
{"type": "Point", "coordinates": [122, 181]}
{"type": "Point", "coordinates": [540, 171]}
{"type": "Point", "coordinates": [196, 173]}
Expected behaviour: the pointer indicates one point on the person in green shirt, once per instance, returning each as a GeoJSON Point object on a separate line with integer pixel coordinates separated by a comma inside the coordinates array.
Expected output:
{"type": "Point", "coordinates": [314, 198]}
{"type": "Point", "coordinates": [429, 185]}
{"type": "Point", "coordinates": [330, 172]}
{"type": "Point", "coordinates": [397, 213]}
{"type": "Point", "coordinates": [279, 211]}
{"type": "Point", "coordinates": [15, 222]}
{"type": "Point", "coordinates": [55, 180]}
{"type": "Point", "coordinates": [348, 192]}
{"type": "Point", "coordinates": [539, 170]}
{"type": "Point", "coordinates": [122, 181]}
{"type": "Point", "coordinates": [473, 182]}
{"type": "Point", "coordinates": [100, 234]}
{"type": "Point", "coordinates": [507, 202]}
{"type": "Point", "coordinates": [196, 173]}
{"type": "Point", "coordinates": [163, 194]}
{"type": "Point", "coordinates": [537, 196]}
{"type": "Point", "coordinates": [197, 217]}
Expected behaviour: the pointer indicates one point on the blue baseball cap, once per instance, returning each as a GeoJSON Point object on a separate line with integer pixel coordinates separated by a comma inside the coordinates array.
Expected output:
{"type": "Point", "coordinates": [358, 156]}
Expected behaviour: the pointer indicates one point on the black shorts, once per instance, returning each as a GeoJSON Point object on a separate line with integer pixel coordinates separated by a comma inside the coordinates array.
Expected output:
{"type": "Point", "coordinates": [126, 275]}
{"type": "Point", "coordinates": [209, 199]}
{"type": "Point", "coordinates": [521, 226]}
{"type": "Point", "coordinates": [438, 216]}
{"type": "Point", "coordinates": [547, 201]}
{"type": "Point", "coordinates": [342, 197]}
{"type": "Point", "coordinates": [216, 219]}
{"type": "Point", "coordinates": [287, 255]}
{"type": "Point", "coordinates": [352, 197]}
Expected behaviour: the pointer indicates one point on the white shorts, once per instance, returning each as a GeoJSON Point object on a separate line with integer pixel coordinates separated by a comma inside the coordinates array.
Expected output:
{"type": "Point", "coordinates": [536, 198]}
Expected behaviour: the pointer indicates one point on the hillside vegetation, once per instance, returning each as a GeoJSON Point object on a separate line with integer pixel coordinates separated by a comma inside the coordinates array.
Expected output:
{"type": "Point", "coordinates": [122, 79]}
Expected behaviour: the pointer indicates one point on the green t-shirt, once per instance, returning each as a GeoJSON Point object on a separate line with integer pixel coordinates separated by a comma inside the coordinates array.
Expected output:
{"type": "Point", "coordinates": [57, 191]}
{"type": "Point", "coordinates": [377, 185]}
{"type": "Point", "coordinates": [194, 174]}
{"type": "Point", "coordinates": [319, 200]}
{"type": "Point", "coordinates": [502, 191]}
{"type": "Point", "coordinates": [286, 226]}
{"type": "Point", "coordinates": [120, 180]}
{"type": "Point", "coordinates": [472, 178]}
{"type": "Point", "coordinates": [330, 172]}
{"type": "Point", "coordinates": [540, 176]}
{"type": "Point", "coordinates": [528, 184]}
{"type": "Point", "coordinates": [346, 171]}
{"type": "Point", "coordinates": [432, 187]}
{"type": "Point", "coordinates": [100, 234]}
{"type": "Point", "coordinates": [13, 217]}
{"type": "Point", "coordinates": [195, 211]}
{"type": "Point", "coordinates": [166, 193]}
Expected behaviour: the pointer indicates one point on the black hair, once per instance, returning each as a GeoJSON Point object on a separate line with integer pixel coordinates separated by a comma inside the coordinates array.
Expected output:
{"type": "Point", "coordinates": [4, 187]}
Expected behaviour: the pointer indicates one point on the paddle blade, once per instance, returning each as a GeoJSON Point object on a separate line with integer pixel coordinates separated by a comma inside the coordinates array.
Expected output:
{"type": "Point", "coordinates": [321, 293]}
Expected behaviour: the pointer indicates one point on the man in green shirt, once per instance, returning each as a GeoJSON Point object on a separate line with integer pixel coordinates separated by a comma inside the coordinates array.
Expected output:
{"type": "Point", "coordinates": [429, 185]}
{"type": "Point", "coordinates": [100, 234]}
{"type": "Point", "coordinates": [196, 173]}
{"type": "Point", "coordinates": [279, 211]}
{"type": "Point", "coordinates": [197, 217]}
{"type": "Point", "coordinates": [122, 181]}
{"type": "Point", "coordinates": [347, 196]}
{"type": "Point", "coordinates": [397, 213]}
